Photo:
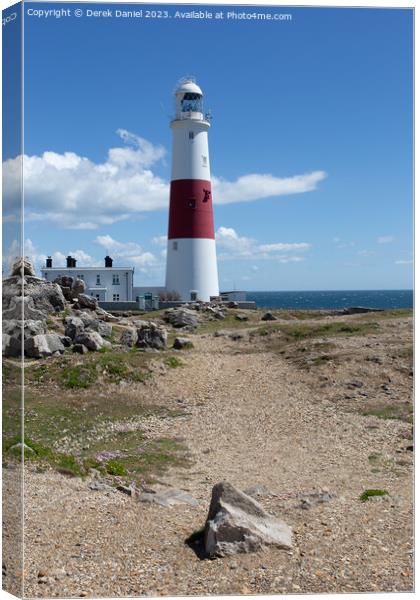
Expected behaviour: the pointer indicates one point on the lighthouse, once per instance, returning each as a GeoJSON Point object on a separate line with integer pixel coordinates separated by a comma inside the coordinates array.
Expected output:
{"type": "Point", "coordinates": [191, 266]}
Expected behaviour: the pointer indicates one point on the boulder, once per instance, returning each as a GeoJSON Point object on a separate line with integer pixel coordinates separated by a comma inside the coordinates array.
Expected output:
{"type": "Point", "coordinates": [233, 304]}
{"type": "Point", "coordinates": [237, 523]}
{"type": "Point", "coordinates": [181, 342]}
{"type": "Point", "coordinates": [40, 299]}
{"type": "Point", "coordinates": [22, 266]}
{"type": "Point", "coordinates": [268, 316]}
{"type": "Point", "coordinates": [151, 335]}
{"type": "Point", "coordinates": [11, 345]}
{"type": "Point", "coordinates": [42, 345]}
{"type": "Point", "coordinates": [104, 329]}
{"type": "Point", "coordinates": [64, 281]}
{"type": "Point", "coordinates": [66, 341]}
{"type": "Point", "coordinates": [78, 287]}
{"type": "Point", "coordinates": [92, 340]}
{"type": "Point", "coordinates": [74, 326]}
{"type": "Point", "coordinates": [241, 317]}
{"type": "Point", "coordinates": [29, 328]}
{"type": "Point", "coordinates": [86, 317]}
{"type": "Point", "coordinates": [80, 349]}
{"type": "Point", "coordinates": [181, 317]}
{"type": "Point", "coordinates": [129, 337]}
{"type": "Point", "coordinates": [85, 301]}
{"type": "Point", "coordinates": [106, 316]}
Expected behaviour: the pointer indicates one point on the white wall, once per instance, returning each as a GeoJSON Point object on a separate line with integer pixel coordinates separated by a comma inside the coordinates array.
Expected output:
{"type": "Point", "coordinates": [124, 289]}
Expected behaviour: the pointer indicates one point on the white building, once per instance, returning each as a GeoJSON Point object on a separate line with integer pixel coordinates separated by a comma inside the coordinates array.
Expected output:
{"type": "Point", "coordinates": [106, 284]}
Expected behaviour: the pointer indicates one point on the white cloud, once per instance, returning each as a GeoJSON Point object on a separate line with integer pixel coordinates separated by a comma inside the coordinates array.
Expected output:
{"type": "Point", "coordinates": [385, 239]}
{"type": "Point", "coordinates": [160, 240]}
{"type": "Point", "coordinates": [75, 192]}
{"type": "Point", "coordinates": [403, 262]}
{"type": "Point", "coordinates": [253, 187]}
{"type": "Point", "coordinates": [366, 253]}
{"type": "Point", "coordinates": [131, 252]}
{"type": "Point", "coordinates": [232, 246]}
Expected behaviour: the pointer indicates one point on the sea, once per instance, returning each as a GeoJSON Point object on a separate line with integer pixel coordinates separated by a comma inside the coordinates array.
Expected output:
{"type": "Point", "coordinates": [333, 299]}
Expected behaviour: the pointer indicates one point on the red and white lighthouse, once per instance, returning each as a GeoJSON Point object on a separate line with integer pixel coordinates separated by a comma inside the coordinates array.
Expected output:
{"type": "Point", "coordinates": [191, 267]}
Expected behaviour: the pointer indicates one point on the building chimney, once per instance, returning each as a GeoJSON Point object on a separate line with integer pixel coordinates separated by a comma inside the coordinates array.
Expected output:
{"type": "Point", "coordinates": [71, 262]}
{"type": "Point", "coordinates": [108, 262]}
{"type": "Point", "coordinates": [48, 263]}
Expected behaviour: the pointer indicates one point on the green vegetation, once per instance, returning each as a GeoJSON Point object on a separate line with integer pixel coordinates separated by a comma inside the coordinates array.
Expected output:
{"type": "Point", "coordinates": [114, 467]}
{"type": "Point", "coordinates": [400, 411]}
{"type": "Point", "coordinates": [364, 497]}
{"type": "Point", "coordinates": [173, 362]}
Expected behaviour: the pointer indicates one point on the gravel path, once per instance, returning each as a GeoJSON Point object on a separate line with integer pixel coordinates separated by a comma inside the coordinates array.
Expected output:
{"type": "Point", "coordinates": [252, 418]}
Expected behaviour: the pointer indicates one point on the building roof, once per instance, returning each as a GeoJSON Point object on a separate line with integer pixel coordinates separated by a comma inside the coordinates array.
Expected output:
{"type": "Point", "coordinates": [188, 86]}
{"type": "Point", "coordinates": [102, 268]}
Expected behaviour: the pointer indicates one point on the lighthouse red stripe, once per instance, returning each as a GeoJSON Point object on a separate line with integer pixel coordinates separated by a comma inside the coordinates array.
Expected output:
{"type": "Point", "coordinates": [191, 209]}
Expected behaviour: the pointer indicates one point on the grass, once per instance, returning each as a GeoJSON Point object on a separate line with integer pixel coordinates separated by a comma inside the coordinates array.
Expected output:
{"type": "Point", "coordinates": [364, 497]}
{"type": "Point", "coordinates": [401, 412]}
{"type": "Point", "coordinates": [174, 362]}
{"type": "Point", "coordinates": [300, 332]}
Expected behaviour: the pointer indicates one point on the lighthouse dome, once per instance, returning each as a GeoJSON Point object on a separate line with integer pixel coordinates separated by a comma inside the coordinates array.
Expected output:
{"type": "Point", "coordinates": [188, 86]}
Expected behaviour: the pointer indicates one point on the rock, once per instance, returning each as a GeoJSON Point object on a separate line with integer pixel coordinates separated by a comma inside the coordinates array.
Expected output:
{"type": "Point", "coordinates": [106, 316]}
{"type": "Point", "coordinates": [236, 523]}
{"type": "Point", "coordinates": [22, 266]}
{"type": "Point", "coordinates": [80, 349]}
{"type": "Point", "coordinates": [92, 340]}
{"type": "Point", "coordinates": [355, 310]}
{"type": "Point", "coordinates": [74, 326]}
{"type": "Point", "coordinates": [151, 335]}
{"type": "Point", "coordinates": [11, 346]}
{"type": "Point", "coordinates": [241, 317]}
{"type": "Point", "coordinates": [64, 281]}
{"type": "Point", "coordinates": [168, 498]}
{"type": "Point", "coordinates": [220, 333]}
{"type": "Point", "coordinates": [316, 497]}
{"type": "Point", "coordinates": [181, 317]}
{"type": "Point", "coordinates": [43, 345]}
{"type": "Point", "coordinates": [129, 337]}
{"type": "Point", "coordinates": [41, 298]}
{"type": "Point", "coordinates": [30, 328]}
{"type": "Point", "coordinates": [101, 485]}
{"type": "Point", "coordinates": [354, 384]}
{"type": "Point", "coordinates": [268, 316]}
{"type": "Point", "coordinates": [78, 287]}
{"type": "Point", "coordinates": [181, 342]}
{"type": "Point", "coordinates": [104, 329]}
{"type": "Point", "coordinates": [236, 336]}
{"type": "Point", "coordinates": [232, 304]}
{"type": "Point", "coordinates": [85, 301]}
{"type": "Point", "coordinates": [66, 341]}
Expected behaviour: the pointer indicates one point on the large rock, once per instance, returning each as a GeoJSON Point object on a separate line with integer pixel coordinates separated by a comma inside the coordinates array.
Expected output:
{"type": "Point", "coordinates": [28, 328]}
{"type": "Point", "coordinates": [40, 298]}
{"type": "Point", "coordinates": [22, 266]}
{"type": "Point", "coordinates": [129, 337]}
{"type": "Point", "coordinates": [92, 340]}
{"type": "Point", "coordinates": [65, 282]}
{"type": "Point", "coordinates": [43, 345]}
{"type": "Point", "coordinates": [79, 287]}
{"type": "Point", "coordinates": [268, 316]}
{"type": "Point", "coordinates": [151, 335]}
{"type": "Point", "coordinates": [104, 329]}
{"type": "Point", "coordinates": [180, 343]}
{"type": "Point", "coordinates": [181, 317]}
{"type": "Point", "coordinates": [237, 523]}
{"type": "Point", "coordinates": [11, 346]}
{"type": "Point", "coordinates": [74, 326]}
{"type": "Point", "coordinates": [85, 301]}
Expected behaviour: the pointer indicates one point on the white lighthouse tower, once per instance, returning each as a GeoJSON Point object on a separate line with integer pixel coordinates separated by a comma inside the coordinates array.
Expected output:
{"type": "Point", "coordinates": [191, 267]}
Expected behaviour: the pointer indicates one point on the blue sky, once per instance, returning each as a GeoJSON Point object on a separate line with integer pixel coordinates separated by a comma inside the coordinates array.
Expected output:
{"type": "Point", "coordinates": [320, 106]}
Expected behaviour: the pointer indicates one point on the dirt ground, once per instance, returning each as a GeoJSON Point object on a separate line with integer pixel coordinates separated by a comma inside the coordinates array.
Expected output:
{"type": "Point", "coordinates": [296, 413]}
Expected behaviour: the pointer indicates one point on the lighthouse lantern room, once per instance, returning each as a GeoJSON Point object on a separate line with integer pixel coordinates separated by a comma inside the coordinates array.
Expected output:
{"type": "Point", "coordinates": [191, 268]}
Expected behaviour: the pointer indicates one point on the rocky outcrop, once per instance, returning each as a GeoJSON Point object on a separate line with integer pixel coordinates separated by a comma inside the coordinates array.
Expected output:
{"type": "Point", "coordinates": [180, 343]}
{"type": "Point", "coordinates": [21, 267]}
{"type": "Point", "coordinates": [268, 316]}
{"type": "Point", "coordinates": [182, 317]}
{"type": "Point", "coordinates": [17, 328]}
{"type": "Point", "coordinates": [74, 326]}
{"type": "Point", "coordinates": [85, 301]}
{"type": "Point", "coordinates": [237, 523]}
{"type": "Point", "coordinates": [11, 346]}
{"type": "Point", "coordinates": [92, 340]}
{"type": "Point", "coordinates": [43, 345]}
{"type": "Point", "coordinates": [71, 287]}
{"type": "Point", "coordinates": [104, 329]}
{"type": "Point", "coordinates": [129, 337]}
{"type": "Point", "coordinates": [151, 335]}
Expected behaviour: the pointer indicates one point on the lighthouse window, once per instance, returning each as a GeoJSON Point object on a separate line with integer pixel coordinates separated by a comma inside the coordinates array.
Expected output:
{"type": "Point", "coordinates": [191, 203]}
{"type": "Point", "coordinates": [175, 245]}
{"type": "Point", "coordinates": [191, 135]}
{"type": "Point", "coordinates": [204, 159]}
{"type": "Point", "coordinates": [192, 102]}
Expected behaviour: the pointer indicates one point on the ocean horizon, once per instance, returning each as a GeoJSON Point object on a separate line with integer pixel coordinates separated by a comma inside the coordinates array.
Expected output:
{"type": "Point", "coordinates": [333, 299]}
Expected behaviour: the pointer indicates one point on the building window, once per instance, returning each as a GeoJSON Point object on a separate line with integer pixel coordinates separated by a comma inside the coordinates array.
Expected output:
{"type": "Point", "coordinates": [98, 297]}
{"type": "Point", "coordinates": [191, 135]}
{"type": "Point", "coordinates": [204, 159]}
{"type": "Point", "coordinates": [191, 203]}
{"type": "Point", "coordinates": [98, 280]}
{"type": "Point", "coordinates": [115, 280]}
{"type": "Point", "coordinates": [80, 276]}
{"type": "Point", "coordinates": [115, 297]}
{"type": "Point", "coordinates": [174, 245]}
